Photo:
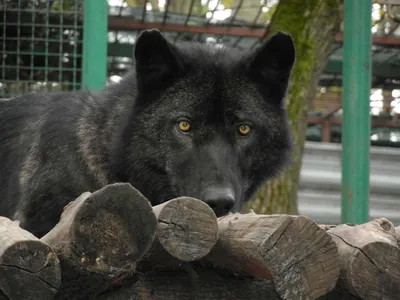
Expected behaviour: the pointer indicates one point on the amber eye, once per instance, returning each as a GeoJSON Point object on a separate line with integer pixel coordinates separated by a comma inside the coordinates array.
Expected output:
{"type": "Point", "coordinates": [184, 126]}
{"type": "Point", "coordinates": [244, 129]}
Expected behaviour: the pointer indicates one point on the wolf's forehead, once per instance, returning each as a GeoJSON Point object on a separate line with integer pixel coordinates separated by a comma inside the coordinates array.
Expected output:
{"type": "Point", "coordinates": [207, 88]}
{"type": "Point", "coordinates": [217, 98]}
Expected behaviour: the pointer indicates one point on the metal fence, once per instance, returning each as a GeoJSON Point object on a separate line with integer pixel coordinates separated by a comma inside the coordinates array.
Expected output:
{"type": "Point", "coordinates": [41, 42]}
{"type": "Point", "coordinates": [52, 45]}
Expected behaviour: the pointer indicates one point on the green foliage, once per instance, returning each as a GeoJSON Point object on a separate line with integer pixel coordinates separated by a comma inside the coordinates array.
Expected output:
{"type": "Point", "coordinates": [62, 5]}
{"type": "Point", "coordinates": [269, 14]}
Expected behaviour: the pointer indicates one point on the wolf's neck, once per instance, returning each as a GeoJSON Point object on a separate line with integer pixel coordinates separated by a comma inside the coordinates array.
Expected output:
{"type": "Point", "coordinates": [99, 132]}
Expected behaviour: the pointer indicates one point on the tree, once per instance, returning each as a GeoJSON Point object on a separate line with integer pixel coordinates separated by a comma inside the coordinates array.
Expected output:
{"type": "Point", "coordinates": [313, 25]}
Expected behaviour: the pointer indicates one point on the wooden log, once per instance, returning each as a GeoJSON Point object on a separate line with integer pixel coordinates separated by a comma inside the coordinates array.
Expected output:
{"type": "Point", "coordinates": [29, 268]}
{"type": "Point", "coordinates": [99, 239]}
{"type": "Point", "coordinates": [293, 251]}
{"type": "Point", "coordinates": [339, 293]}
{"type": "Point", "coordinates": [201, 283]}
{"type": "Point", "coordinates": [369, 259]}
{"type": "Point", "coordinates": [187, 231]}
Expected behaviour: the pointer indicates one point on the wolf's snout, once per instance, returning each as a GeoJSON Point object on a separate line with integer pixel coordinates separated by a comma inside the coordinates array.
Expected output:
{"type": "Point", "coordinates": [221, 200]}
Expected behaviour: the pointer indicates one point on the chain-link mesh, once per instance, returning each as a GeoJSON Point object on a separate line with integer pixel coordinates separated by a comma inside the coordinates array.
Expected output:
{"type": "Point", "coordinates": [41, 45]}
{"type": "Point", "coordinates": [41, 40]}
{"type": "Point", "coordinates": [205, 21]}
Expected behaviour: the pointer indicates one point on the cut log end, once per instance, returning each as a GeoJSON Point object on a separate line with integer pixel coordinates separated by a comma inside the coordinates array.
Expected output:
{"type": "Point", "coordinates": [107, 228]}
{"type": "Point", "coordinates": [101, 236]}
{"type": "Point", "coordinates": [116, 224]}
{"type": "Point", "coordinates": [300, 257]}
{"type": "Point", "coordinates": [29, 268]}
{"type": "Point", "coordinates": [368, 255]}
{"type": "Point", "coordinates": [187, 229]}
{"type": "Point", "coordinates": [373, 273]}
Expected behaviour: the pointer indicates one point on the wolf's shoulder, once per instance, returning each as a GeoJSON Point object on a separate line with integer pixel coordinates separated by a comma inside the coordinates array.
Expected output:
{"type": "Point", "coordinates": [42, 102]}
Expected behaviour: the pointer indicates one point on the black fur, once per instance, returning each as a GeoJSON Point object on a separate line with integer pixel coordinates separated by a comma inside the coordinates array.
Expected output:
{"type": "Point", "coordinates": [53, 147]}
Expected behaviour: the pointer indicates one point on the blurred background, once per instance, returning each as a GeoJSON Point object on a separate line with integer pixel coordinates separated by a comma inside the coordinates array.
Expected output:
{"type": "Point", "coordinates": [53, 45]}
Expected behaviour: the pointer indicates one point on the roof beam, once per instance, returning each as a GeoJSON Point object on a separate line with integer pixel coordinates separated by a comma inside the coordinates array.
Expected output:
{"type": "Point", "coordinates": [125, 23]}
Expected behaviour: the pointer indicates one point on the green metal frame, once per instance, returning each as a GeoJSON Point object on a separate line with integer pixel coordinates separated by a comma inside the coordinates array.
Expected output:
{"type": "Point", "coordinates": [95, 36]}
{"type": "Point", "coordinates": [356, 110]}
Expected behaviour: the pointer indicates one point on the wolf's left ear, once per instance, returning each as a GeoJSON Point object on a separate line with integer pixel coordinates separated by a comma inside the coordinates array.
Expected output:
{"type": "Point", "coordinates": [273, 61]}
{"type": "Point", "coordinates": [156, 59]}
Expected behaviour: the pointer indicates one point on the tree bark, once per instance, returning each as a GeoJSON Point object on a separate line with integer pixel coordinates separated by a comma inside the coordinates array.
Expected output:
{"type": "Point", "coordinates": [313, 25]}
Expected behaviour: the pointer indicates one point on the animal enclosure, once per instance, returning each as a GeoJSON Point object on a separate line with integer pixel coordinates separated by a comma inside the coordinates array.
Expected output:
{"type": "Point", "coordinates": [111, 244]}
{"type": "Point", "coordinates": [42, 46]}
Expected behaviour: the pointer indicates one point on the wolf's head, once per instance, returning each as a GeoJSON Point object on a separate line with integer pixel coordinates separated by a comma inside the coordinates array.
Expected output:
{"type": "Point", "coordinates": [208, 122]}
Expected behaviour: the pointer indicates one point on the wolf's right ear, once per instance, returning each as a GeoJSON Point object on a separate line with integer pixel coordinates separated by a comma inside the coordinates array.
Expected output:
{"type": "Point", "coordinates": [156, 59]}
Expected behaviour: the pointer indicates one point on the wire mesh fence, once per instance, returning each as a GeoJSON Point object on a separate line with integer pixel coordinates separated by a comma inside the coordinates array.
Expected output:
{"type": "Point", "coordinates": [237, 23]}
{"type": "Point", "coordinates": [41, 45]}
{"type": "Point", "coordinates": [41, 41]}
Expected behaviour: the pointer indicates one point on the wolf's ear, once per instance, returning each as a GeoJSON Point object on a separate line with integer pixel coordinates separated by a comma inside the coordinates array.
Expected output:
{"type": "Point", "coordinates": [273, 61]}
{"type": "Point", "coordinates": [156, 59]}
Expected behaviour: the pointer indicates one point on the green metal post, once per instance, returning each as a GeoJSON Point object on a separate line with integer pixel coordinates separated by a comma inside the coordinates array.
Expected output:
{"type": "Point", "coordinates": [356, 110]}
{"type": "Point", "coordinates": [95, 35]}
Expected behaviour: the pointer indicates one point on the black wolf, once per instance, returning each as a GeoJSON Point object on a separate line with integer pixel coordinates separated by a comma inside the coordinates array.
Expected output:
{"type": "Point", "coordinates": [189, 119]}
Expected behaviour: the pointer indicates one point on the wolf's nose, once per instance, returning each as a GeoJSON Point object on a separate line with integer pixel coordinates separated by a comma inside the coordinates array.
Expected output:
{"type": "Point", "coordinates": [221, 200]}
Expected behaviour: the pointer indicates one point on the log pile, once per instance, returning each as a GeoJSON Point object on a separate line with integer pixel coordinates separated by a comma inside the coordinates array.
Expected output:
{"type": "Point", "coordinates": [369, 259]}
{"type": "Point", "coordinates": [111, 244]}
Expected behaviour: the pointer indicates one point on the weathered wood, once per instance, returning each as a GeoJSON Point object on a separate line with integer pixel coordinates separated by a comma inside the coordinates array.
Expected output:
{"type": "Point", "coordinates": [326, 227]}
{"type": "Point", "coordinates": [200, 283]}
{"type": "Point", "coordinates": [187, 231]}
{"type": "Point", "coordinates": [398, 235]}
{"type": "Point", "coordinates": [29, 268]}
{"type": "Point", "coordinates": [339, 293]}
{"type": "Point", "coordinates": [301, 258]}
{"type": "Point", "coordinates": [99, 239]}
{"type": "Point", "coordinates": [369, 259]}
